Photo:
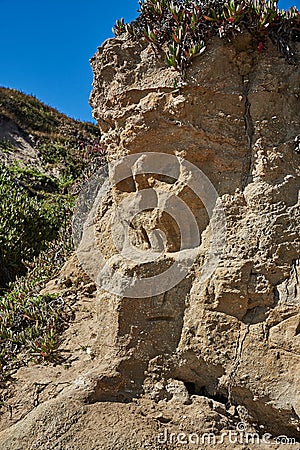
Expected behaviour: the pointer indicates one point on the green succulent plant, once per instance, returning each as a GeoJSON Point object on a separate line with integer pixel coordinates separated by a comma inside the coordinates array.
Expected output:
{"type": "Point", "coordinates": [27, 223]}
{"type": "Point", "coordinates": [183, 26]}
{"type": "Point", "coordinates": [119, 27]}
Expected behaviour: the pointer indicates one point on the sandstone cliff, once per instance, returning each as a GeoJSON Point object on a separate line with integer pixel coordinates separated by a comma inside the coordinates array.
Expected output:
{"type": "Point", "coordinates": [235, 335]}
{"type": "Point", "coordinates": [212, 352]}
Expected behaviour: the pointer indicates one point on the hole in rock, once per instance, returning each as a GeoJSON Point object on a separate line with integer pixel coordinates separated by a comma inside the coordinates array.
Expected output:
{"type": "Point", "coordinates": [221, 398]}
{"type": "Point", "coordinates": [193, 389]}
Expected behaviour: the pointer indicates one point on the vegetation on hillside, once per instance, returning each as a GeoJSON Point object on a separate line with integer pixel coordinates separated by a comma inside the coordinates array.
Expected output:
{"type": "Point", "coordinates": [27, 222]}
{"type": "Point", "coordinates": [36, 201]}
{"type": "Point", "coordinates": [182, 27]}
{"type": "Point", "coordinates": [31, 323]}
{"type": "Point", "coordinates": [36, 209]}
{"type": "Point", "coordinates": [60, 140]}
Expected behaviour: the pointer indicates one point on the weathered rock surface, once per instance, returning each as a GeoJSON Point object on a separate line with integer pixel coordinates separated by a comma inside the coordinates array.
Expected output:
{"type": "Point", "coordinates": [205, 355]}
{"type": "Point", "coordinates": [22, 146]}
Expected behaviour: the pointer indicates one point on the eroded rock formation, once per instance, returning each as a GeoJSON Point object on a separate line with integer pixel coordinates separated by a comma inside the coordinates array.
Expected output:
{"type": "Point", "coordinates": [227, 346]}
{"type": "Point", "coordinates": [236, 119]}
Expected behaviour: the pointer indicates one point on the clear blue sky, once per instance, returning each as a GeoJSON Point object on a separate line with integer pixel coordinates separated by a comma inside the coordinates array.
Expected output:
{"type": "Point", "coordinates": [45, 47]}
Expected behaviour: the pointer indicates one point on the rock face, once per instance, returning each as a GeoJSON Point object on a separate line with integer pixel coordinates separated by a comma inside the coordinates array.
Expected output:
{"type": "Point", "coordinates": [235, 335]}
{"type": "Point", "coordinates": [227, 345]}
{"type": "Point", "coordinates": [21, 142]}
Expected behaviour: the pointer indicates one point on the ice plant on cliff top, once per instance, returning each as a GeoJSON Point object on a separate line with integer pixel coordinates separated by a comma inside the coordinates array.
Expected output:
{"type": "Point", "coordinates": [181, 27]}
